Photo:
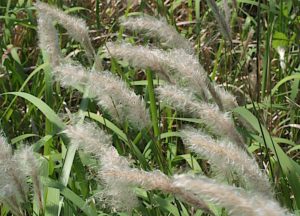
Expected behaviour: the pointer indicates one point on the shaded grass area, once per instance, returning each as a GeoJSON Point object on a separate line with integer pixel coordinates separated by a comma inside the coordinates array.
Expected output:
{"type": "Point", "coordinates": [247, 63]}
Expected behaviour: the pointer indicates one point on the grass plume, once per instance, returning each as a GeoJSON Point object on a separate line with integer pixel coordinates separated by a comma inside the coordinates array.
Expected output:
{"type": "Point", "coordinates": [13, 188]}
{"type": "Point", "coordinates": [176, 66]}
{"type": "Point", "coordinates": [236, 200]}
{"type": "Point", "coordinates": [157, 142]}
{"type": "Point", "coordinates": [157, 28]}
{"type": "Point", "coordinates": [116, 172]}
{"type": "Point", "coordinates": [110, 91]}
{"type": "Point", "coordinates": [228, 100]}
{"type": "Point", "coordinates": [227, 157]}
{"type": "Point", "coordinates": [223, 21]}
{"type": "Point", "coordinates": [48, 39]}
{"type": "Point", "coordinates": [117, 194]}
{"type": "Point", "coordinates": [219, 122]}
{"type": "Point", "coordinates": [30, 166]}
{"type": "Point", "coordinates": [76, 27]}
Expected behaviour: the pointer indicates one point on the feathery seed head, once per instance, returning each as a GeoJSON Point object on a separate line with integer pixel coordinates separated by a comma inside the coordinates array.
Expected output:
{"type": "Point", "coordinates": [71, 74]}
{"type": "Point", "coordinates": [226, 157]}
{"type": "Point", "coordinates": [141, 57]}
{"type": "Point", "coordinates": [109, 90]}
{"type": "Point", "coordinates": [118, 180]}
{"type": "Point", "coordinates": [189, 70]}
{"type": "Point", "coordinates": [31, 167]}
{"type": "Point", "coordinates": [7, 197]}
{"type": "Point", "coordinates": [223, 21]}
{"type": "Point", "coordinates": [76, 27]}
{"type": "Point", "coordinates": [6, 190]}
{"type": "Point", "coordinates": [219, 122]}
{"type": "Point", "coordinates": [13, 177]}
{"type": "Point", "coordinates": [121, 102]}
{"type": "Point", "coordinates": [30, 164]}
{"type": "Point", "coordinates": [175, 66]}
{"type": "Point", "coordinates": [227, 13]}
{"type": "Point", "coordinates": [88, 137]}
{"type": "Point", "coordinates": [180, 99]}
{"type": "Point", "coordinates": [154, 180]}
{"type": "Point", "coordinates": [236, 200]}
{"type": "Point", "coordinates": [5, 149]}
{"type": "Point", "coordinates": [158, 28]}
{"type": "Point", "coordinates": [94, 140]}
{"type": "Point", "coordinates": [117, 194]}
{"type": "Point", "coordinates": [9, 189]}
{"type": "Point", "coordinates": [117, 175]}
{"type": "Point", "coordinates": [48, 39]}
{"type": "Point", "coordinates": [228, 100]}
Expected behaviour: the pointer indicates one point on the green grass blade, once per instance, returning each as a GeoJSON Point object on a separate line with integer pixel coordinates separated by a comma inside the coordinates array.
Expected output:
{"type": "Point", "coordinates": [284, 80]}
{"type": "Point", "coordinates": [70, 195]}
{"type": "Point", "coordinates": [22, 137]}
{"type": "Point", "coordinates": [154, 118]}
{"type": "Point", "coordinates": [43, 107]}
{"type": "Point", "coordinates": [290, 168]}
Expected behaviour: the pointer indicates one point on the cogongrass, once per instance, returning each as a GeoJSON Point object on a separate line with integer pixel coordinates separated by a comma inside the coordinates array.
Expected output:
{"type": "Point", "coordinates": [157, 28]}
{"type": "Point", "coordinates": [228, 157]}
{"type": "Point", "coordinates": [119, 176]}
{"type": "Point", "coordinates": [109, 90]}
{"type": "Point", "coordinates": [30, 166]}
{"type": "Point", "coordinates": [48, 39]}
{"type": "Point", "coordinates": [14, 168]}
{"type": "Point", "coordinates": [116, 172]}
{"type": "Point", "coordinates": [223, 21]}
{"type": "Point", "coordinates": [76, 27]}
{"type": "Point", "coordinates": [219, 122]}
{"type": "Point", "coordinates": [236, 200]}
{"type": "Point", "coordinates": [176, 66]}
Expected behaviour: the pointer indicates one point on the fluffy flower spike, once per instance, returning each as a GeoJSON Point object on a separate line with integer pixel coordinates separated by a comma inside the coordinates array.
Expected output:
{"type": "Point", "coordinates": [48, 39]}
{"type": "Point", "coordinates": [110, 91]}
{"type": "Point", "coordinates": [76, 27]}
{"type": "Point", "coordinates": [228, 157]}
{"type": "Point", "coordinates": [237, 201]}
{"type": "Point", "coordinates": [13, 188]}
{"type": "Point", "coordinates": [175, 66]}
{"type": "Point", "coordinates": [116, 172]}
{"type": "Point", "coordinates": [158, 28]}
{"type": "Point", "coordinates": [219, 122]}
{"type": "Point", "coordinates": [31, 167]}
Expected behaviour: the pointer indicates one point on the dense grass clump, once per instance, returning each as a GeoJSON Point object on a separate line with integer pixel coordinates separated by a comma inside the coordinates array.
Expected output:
{"type": "Point", "coordinates": [161, 108]}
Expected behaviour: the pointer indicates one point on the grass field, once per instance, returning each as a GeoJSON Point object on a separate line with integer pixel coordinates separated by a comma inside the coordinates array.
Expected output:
{"type": "Point", "coordinates": [249, 47]}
